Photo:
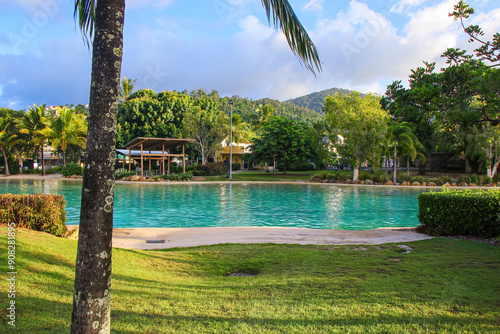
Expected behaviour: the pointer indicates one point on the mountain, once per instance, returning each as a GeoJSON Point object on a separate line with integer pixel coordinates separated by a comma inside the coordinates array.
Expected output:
{"type": "Point", "coordinates": [316, 100]}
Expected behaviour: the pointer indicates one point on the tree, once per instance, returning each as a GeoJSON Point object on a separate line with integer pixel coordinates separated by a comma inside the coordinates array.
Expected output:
{"type": "Point", "coordinates": [9, 136]}
{"type": "Point", "coordinates": [66, 128]}
{"type": "Point", "coordinates": [205, 122]}
{"type": "Point", "coordinates": [32, 124]}
{"type": "Point", "coordinates": [282, 139]}
{"type": "Point", "coordinates": [357, 127]}
{"type": "Point", "coordinates": [404, 140]}
{"type": "Point", "coordinates": [126, 88]}
{"type": "Point", "coordinates": [105, 18]}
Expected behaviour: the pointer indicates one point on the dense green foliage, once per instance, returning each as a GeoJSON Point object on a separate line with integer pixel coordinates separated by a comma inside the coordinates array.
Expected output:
{"type": "Point", "coordinates": [282, 139]}
{"type": "Point", "coordinates": [72, 168]}
{"type": "Point", "coordinates": [315, 101]}
{"type": "Point", "coordinates": [469, 212]}
{"type": "Point", "coordinates": [210, 169]}
{"type": "Point", "coordinates": [177, 177]}
{"type": "Point", "coordinates": [357, 128]}
{"type": "Point", "coordinates": [39, 212]}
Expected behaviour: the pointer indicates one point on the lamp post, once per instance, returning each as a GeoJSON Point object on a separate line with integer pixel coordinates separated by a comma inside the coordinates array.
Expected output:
{"type": "Point", "coordinates": [231, 143]}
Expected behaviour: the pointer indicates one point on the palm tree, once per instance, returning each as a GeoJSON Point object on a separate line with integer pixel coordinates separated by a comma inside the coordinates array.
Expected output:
{"type": "Point", "coordinates": [126, 88]}
{"type": "Point", "coordinates": [406, 142]}
{"type": "Point", "coordinates": [8, 138]}
{"type": "Point", "coordinates": [32, 124]}
{"type": "Point", "coordinates": [263, 113]}
{"type": "Point", "coordinates": [102, 22]}
{"type": "Point", "coordinates": [67, 128]}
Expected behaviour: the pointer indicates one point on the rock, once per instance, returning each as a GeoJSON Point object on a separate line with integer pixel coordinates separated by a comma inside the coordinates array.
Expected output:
{"type": "Point", "coordinates": [317, 180]}
{"type": "Point", "coordinates": [348, 181]}
{"type": "Point", "coordinates": [330, 181]}
{"type": "Point", "coordinates": [370, 182]}
{"type": "Point", "coordinates": [72, 176]}
{"type": "Point", "coordinates": [472, 185]}
{"type": "Point", "coordinates": [487, 185]}
{"type": "Point", "coordinates": [463, 184]}
{"type": "Point", "coordinates": [134, 178]}
{"type": "Point", "coordinates": [424, 184]}
{"type": "Point", "coordinates": [142, 178]}
{"type": "Point", "coordinates": [362, 182]}
{"type": "Point", "coordinates": [447, 184]}
{"type": "Point", "coordinates": [406, 183]}
{"type": "Point", "coordinates": [453, 184]}
{"type": "Point", "coordinates": [355, 182]}
{"type": "Point", "coordinates": [431, 184]}
{"type": "Point", "coordinates": [416, 184]}
{"type": "Point", "coordinates": [325, 181]}
{"type": "Point", "coordinates": [388, 183]}
{"type": "Point", "coordinates": [151, 180]}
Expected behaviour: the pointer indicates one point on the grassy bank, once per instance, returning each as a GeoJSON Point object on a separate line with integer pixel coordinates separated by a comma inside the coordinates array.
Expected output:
{"type": "Point", "coordinates": [442, 285]}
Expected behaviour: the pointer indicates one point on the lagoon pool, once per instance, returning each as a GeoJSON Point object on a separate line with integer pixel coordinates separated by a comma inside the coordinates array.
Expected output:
{"type": "Point", "coordinates": [250, 204]}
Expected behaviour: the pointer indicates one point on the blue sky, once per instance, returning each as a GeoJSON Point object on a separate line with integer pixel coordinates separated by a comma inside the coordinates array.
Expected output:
{"type": "Point", "coordinates": [227, 45]}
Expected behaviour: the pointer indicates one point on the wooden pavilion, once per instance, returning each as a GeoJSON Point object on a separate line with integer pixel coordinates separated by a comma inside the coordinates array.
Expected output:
{"type": "Point", "coordinates": [155, 148]}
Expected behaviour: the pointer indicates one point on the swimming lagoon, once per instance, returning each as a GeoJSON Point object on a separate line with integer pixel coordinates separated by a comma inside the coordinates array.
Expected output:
{"type": "Point", "coordinates": [249, 204]}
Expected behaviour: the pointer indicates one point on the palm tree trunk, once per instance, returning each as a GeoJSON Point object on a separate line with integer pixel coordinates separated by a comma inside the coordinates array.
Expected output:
{"type": "Point", "coordinates": [7, 173]}
{"type": "Point", "coordinates": [43, 162]}
{"type": "Point", "coordinates": [407, 165]}
{"type": "Point", "coordinates": [395, 165]}
{"type": "Point", "coordinates": [91, 300]}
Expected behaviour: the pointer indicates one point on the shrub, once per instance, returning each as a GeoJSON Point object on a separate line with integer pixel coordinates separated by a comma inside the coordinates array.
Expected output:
{"type": "Point", "coordinates": [469, 212]}
{"type": "Point", "coordinates": [496, 178]}
{"type": "Point", "coordinates": [381, 178]}
{"type": "Point", "coordinates": [403, 177]}
{"type": "Point", "coordinates": [470, 178]}
{"type": "Point", "coordinates": [39, 212]}
{"type": "Point", "coordinates": [72, 168]}
{"type": "Point", "coordinates": [53, 170]}
{"type": "Point", "coordinates": [177, 177]}
{"type": "Point", "coordinates": [484, 179]}
{"type": "Point", "coordinates": [343, 176]}
{"type": "Point", "coordinates": [236, 166]}
{"type": "Point", "coordinates": [304, 166]}
{"type": "Point", "coordinates": [31, 171]}
{"type": "Point", "coordinates": [365, 176]}
{"type": "Point", "coordinates": [212, 168]}
{"type": "Point", "coordinates": [443, 179]}
{"type": "Point", "coordinates": [119, 173]}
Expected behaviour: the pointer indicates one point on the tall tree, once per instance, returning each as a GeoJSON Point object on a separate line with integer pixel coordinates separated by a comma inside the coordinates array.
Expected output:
{"type": "Point", "coordinates": [357, 126]}
{"type": "Point", "coordinates": [105, 18]}
{"type": "Point", "coordinates": [9, 136]}
{"type": "Point", "coordinates": [281, 139]}
{"type": "Point", "coordinates": [403, 139]}
{"type": "Point", "coordinates": [32, 124]}
{"type": "Point", "coordinates": [66, 128]}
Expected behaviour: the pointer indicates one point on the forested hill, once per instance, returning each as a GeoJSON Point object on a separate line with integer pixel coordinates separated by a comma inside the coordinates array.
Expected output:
{"type": "Point", "coordinates": [316, 100]}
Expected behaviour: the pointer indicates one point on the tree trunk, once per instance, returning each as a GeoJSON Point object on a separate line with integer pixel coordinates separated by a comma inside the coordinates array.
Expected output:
{"type": "Point", "coordinates": [284, 168]}
{"type": "Point", "coordinates": [43, 163]}
{"type": "Point", "coordinates": [91, 300]}
{"type": "Point", "coordinates": [355, 173]}
{"type": "Point", "coordinates": [7, 173]}
{"type": "Point", "coordinates": [395, 165]}
{"type": "Point", "coordinates": [408, 165]}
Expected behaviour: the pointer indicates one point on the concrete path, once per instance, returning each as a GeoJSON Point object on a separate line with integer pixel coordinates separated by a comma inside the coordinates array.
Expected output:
{"type": "Point", "coordinates": [135, 238]}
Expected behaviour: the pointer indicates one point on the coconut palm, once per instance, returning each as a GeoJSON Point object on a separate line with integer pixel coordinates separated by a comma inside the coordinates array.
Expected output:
{"type": "Point", "coordinates": [101, 23]}
{"type": "Point", "coordinates": [404, 140]}
{"type": "Point", "coordinates": [126, 88]}
{"type": "Point", "coordinates": [66, 128]}
{"type": "Point", "coordinates": [262, 115]}
{"type": "Point", "coordinates": [32, 124]}
{"type": "Point", "coordinates": [8, 137]}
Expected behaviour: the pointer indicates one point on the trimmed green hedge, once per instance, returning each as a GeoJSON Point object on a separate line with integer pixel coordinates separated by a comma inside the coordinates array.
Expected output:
{"type": "Point", "coordinates": [469, 212]}
{"type": "Point", "coordinates": [177, 177]}
{"type": "Point", "coordinates": [39, 212]}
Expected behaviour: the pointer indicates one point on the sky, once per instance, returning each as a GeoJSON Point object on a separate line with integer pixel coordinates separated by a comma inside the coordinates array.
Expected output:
{"type": "Point", "coordinates": [228, 46]}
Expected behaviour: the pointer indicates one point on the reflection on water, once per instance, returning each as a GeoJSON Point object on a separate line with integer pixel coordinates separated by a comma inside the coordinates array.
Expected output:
{"type": "Point", "coordinates": [198, 205]}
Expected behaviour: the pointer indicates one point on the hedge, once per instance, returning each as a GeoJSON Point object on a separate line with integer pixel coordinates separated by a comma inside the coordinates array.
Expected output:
{"type": "Point", "coordinates": [469, 212]}
{"type": "Point", "coordinates": [38, 212]}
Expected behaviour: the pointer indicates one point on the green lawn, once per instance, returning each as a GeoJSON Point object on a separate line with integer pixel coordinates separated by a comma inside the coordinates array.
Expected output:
{"type": "Point", "coordinates": [442, 285]}
{"type": "Point", "coordinates": [261, 176]}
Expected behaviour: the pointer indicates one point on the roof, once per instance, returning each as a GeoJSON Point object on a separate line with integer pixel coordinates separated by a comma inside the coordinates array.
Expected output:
{"type": "Point", "coordinates": [156, 143]}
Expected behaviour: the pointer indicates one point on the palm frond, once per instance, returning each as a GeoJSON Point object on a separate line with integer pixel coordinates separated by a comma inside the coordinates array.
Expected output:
{"type": "Point", "coordinates": [302, 46]}
{"type": "Point", "coordinates": [85, 13]}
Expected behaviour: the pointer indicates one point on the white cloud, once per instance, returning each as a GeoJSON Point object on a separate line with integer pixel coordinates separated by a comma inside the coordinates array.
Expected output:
{"type": "Point", "coordinates": [313, 5]}
{"type": "Point", "coordinates": [402, 6]}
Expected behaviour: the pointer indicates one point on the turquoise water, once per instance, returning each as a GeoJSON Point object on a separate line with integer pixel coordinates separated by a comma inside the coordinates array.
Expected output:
{"type": "Point", "coordinates": [200, 205]}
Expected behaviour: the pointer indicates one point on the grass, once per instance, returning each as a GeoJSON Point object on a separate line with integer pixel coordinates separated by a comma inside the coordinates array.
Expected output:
{"type": "Point", "coordinates": [261, 176]}
{"type": "Point", "coordinates": [443, 285]}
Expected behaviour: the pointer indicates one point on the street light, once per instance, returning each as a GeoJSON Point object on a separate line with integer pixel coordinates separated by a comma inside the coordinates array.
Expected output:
{"type": "Point", "coordinates": [231, 143]}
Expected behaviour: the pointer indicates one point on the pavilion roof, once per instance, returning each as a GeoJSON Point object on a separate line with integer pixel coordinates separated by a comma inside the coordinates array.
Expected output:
{"type": "Point", "coordinates": [156, 143]}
